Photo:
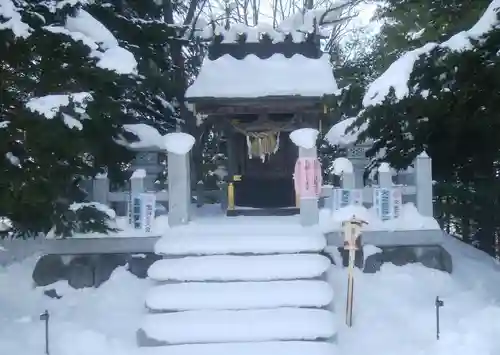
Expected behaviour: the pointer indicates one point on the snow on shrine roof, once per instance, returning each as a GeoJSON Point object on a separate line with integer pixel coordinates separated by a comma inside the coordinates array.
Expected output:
{"type": "Point", "coordinates": [252, 77]}
{"type": "Point", "coordinates": [300, 26]}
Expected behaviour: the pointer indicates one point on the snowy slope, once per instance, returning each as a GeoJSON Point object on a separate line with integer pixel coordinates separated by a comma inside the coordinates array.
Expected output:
{"type": "Point", "coordinates": [394, 314]}
{"type": "Point", "coordinates": [84, 322]}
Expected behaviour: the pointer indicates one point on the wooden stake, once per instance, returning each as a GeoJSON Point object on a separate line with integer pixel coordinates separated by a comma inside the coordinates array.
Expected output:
{"type": "Point", "coordinates": [350, 287]}
{"type": "Point", "coordinates": [352, 231]}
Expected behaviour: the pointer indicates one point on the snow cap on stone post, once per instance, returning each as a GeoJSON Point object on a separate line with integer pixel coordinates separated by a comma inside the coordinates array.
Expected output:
{"type": "Point", "coordinates": [178, 142]}
{"type": "Point", "coordinates": [343, 167]}
{"type": "Point", "coordinates": [385, 175]}
{"type": "Point", "coordinates": [304, 137]}
{"type": "Point", "coordinates": [178, 146]}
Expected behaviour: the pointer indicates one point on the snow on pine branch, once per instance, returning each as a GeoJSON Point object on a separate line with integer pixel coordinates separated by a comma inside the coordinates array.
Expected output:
{"type": "Point", "coordinates": [78, 206]}
{"type": "Point", "coordinates": [50, 105]}
{"type": "Point", "coordinates": [398, 74]}
{"type": "Point", "coordinates": [10, 19]}
{"type": "Point", "coordinates": [54, 5]}
{"type": "Point", "coordinates": [147, 136]}
{"type": "Point", "coordinates": [103, 45]}
{"type": "Point", "coordinates": [81, 27]}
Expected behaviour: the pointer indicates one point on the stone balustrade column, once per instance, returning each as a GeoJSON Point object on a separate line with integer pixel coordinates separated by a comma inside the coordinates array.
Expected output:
{"type": "Point", "coordinates": [178, 146]}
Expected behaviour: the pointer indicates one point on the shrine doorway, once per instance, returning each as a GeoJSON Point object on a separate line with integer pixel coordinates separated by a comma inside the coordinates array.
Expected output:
{"type": "Point", "coordinates": [266, 181]}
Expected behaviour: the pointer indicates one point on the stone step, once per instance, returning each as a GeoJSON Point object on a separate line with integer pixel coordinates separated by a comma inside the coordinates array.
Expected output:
{"type": "Point", "coordinates": [183, 244]}
{"type": "Point", "coordinates": [191, 327]}
{"type": "Point", "coordinates": [261, 348]}
{"type": "Point", "coordinates": [239, 295]}
{"type": "Point", "coordinates": [240, 268]}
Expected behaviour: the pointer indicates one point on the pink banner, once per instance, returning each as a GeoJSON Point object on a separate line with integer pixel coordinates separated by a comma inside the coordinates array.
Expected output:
{"type": "Point", "coordinates": [307, 177]}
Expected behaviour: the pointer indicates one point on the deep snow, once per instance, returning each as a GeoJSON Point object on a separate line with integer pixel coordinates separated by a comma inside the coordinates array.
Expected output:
{"type": "Point", "coordinates": [394, 311]}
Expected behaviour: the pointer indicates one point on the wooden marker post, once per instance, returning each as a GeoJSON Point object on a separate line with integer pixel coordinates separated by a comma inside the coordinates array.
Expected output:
{"type": "Point", "coordinates": [352, 233]}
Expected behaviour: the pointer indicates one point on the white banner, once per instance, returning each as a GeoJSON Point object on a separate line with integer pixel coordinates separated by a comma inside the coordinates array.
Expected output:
{"type": "Point", "coordinates": [148, 202]}
{"type": "Point", "coordinates": [136, 211]}
{"type": "Point", "coordinates": [141, 211]}
{"type": "Point", "coordinates": [130, 210]}
{"type": "Point", "coordinates": [387, 202]}
{"type": "Point", "coordinates": [345, 197]}
{"type": "Point", "coordinates": [397, 202]}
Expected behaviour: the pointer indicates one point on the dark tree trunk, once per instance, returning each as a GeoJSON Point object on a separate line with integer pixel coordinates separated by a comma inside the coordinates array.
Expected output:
{"type": "Point", "coordinates": [181, 85]}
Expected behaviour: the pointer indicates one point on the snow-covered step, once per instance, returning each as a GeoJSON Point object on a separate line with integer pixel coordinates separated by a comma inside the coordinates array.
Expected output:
{"type": "Point", "coordinates": [240, 268]}
{"type": "Point", "coordinates": [239, 295]}
{"type": "Point", "coordinates": [192, 327]}
{"type": "Point", "coordinates": [261, 348]}
{"type": "Point", "coordinates": [237, 243]}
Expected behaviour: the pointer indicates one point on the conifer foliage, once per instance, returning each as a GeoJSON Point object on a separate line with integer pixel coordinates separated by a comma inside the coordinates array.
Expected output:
{"type": "Point", "coordinates": [65, 88]}
{"type": "Point", "coordinates": [451, 111]}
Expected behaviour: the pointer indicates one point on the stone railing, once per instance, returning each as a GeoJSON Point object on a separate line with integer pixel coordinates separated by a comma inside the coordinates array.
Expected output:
{"type": "Point", "coordinates": [419, 191]}
{"type": "Point", "coordinates": [140, 182]}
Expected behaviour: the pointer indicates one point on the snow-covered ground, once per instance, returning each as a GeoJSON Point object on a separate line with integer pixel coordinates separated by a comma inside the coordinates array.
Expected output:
{"type": "Point", "coordinates": [83, 322]}
{"type": "Point", "coordinates": [210, 220]}
{"type": "Point", "coordinates": [394, 311]}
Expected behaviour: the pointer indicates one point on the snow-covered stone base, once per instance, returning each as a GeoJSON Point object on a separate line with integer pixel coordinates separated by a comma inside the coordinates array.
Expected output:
{"type": "Point", "coordinates": [239, 295]}
{"type": "Point", "coordinates": [191, 327]}
{"type": "Point", "coordinates": [248, 348]}
{"type": "Point", "coordinates": [240, 268]}
{"type": "Point", "coordinates": [266, 294]}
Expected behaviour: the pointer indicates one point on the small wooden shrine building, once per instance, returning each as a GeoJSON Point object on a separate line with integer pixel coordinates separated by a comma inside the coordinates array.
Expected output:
{"type": "Point", "coordinates": [257, 88]}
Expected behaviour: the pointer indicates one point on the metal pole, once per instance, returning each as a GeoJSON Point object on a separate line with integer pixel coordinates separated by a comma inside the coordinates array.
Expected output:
{"type": "Point", "coordinates": [45, 317]}
{"type": "Point", "coordinates": [439, 303]}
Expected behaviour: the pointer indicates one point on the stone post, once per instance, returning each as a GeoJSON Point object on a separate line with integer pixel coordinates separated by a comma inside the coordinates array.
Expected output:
{"type": "Point", "coordinates": [342, 167]}
{"type": "Point", "coordinates": [137, 182]}
{"type": "Point", "coordinates": [348, 180]}
{"type": "Point", "coordinates": [200, 194]}
{"type": "Point", "coordinates": [305, 139]}
{"type": "Point", "coordinates": [309, 209]}
{"type": "Point", "coordinates": [384, 176]}
{"type": "Point", "coordinates": [100, 189]}
{"type": "Point", "coordinates": [178, 146]}
{"type": "Point", "coordinates": [356, 154]}
{"type": "Point", "coordinates": [359, 169]}
{"type": "Point", "coordinates": [223, 195]}
{"type": "Point", "coordinates": [423, 183]}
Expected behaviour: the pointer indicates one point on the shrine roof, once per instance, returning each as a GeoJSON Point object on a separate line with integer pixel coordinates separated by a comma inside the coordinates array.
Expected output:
{"type": "Point", "coordinates": [251, 76]}
{"type": "Point", "coordinates": [264, 44]}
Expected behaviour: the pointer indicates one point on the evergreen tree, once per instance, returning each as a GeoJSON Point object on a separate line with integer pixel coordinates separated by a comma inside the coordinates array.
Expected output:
{"type": "Point", "coordinates": [451, 111]}
{"type": "Point", "coordinates": [140, 27]}
{"type": "Point", "coordinates": [409, 24]}
{"type": "Point", "coordinates": [63, 106]}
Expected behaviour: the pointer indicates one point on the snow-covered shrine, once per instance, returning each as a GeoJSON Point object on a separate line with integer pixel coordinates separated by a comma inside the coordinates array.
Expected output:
{"type": "Point", "coordinates": [258, 90]}
{"type": "Point", "coordinates": [258, 281]}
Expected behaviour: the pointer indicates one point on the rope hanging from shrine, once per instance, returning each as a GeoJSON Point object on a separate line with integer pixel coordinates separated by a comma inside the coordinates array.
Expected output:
{"type": "Point", "coordinates": [265, 142]}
